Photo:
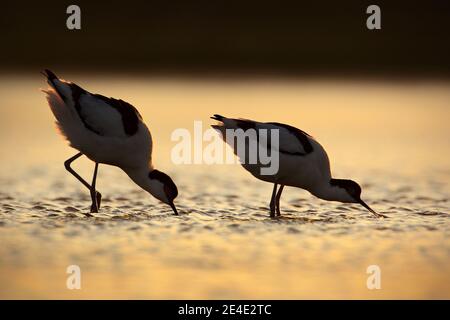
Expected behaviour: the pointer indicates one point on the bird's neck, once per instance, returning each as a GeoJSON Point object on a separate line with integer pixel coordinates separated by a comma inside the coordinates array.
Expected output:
{"type": "Point", "coordinates": [139, 175]}
{"type": "Point", "coordinates": [327, 191]}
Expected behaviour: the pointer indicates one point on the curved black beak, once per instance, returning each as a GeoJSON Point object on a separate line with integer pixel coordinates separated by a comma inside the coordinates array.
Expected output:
{"type": "Point", "coordinates": [378, 215]}
{"type": "Point", "coordinates": [172, 205]}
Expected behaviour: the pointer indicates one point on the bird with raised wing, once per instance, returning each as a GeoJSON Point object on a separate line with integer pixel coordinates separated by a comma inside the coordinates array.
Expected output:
{"type": "Point", "coordinates": [107, 131]}
{"type": "Point", "coordinates": [303, 163]}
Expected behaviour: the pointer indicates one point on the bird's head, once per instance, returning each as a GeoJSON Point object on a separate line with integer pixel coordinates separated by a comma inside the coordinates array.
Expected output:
{"type": "Point", "coordinates": [162, 187]}
{"type": "Point", "coordinates": [351, 192]}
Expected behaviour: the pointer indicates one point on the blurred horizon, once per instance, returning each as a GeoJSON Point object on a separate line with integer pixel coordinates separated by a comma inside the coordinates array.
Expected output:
{"type": "Point", "coordinates": [233, 38]}
{"type": "Point", "coordinates": [377, 101]}
{"type": "Point", "coordinates": [390, 137]}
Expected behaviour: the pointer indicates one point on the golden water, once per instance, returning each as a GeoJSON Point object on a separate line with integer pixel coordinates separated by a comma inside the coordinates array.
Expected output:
{"type": "Point", "coordinates": [391, 137]}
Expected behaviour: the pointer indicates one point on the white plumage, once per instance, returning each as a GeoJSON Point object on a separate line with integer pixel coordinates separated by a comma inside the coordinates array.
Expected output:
{"type": "Point", "coordinates": [107, 131]}
{"type": "Point", "coordinates": [303, 163]}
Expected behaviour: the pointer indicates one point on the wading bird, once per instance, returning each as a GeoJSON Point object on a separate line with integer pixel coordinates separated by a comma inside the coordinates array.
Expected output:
{"type": "Point", "coordinates": [303, 163]}
{"type": "Point", "coordinates": [107, 131]}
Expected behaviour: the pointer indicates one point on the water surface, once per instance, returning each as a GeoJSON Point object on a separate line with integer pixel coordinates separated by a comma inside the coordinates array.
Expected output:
{"type": "Point", "coordinates": [391, 137]}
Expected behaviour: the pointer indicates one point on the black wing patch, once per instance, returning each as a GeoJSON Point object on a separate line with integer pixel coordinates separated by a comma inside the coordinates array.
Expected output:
{"type": "Point", "coordinates": [77, 91]}
{"type": "Point", "coordinates": [130, 115]}
{"type": "Point", "coordinates": [301, 136]}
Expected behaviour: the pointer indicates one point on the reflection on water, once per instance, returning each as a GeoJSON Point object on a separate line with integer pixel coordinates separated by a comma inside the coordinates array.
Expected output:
{"type": "Point", "coordinates": [393, 138]}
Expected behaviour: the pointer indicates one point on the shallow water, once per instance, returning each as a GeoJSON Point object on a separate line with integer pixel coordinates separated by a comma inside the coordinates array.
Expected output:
{"type": "Point", "coordinates": [391, 137]}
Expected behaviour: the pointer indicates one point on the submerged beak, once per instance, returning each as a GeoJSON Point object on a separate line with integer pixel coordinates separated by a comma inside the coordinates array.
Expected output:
{"type": "Point", "coordinates": [172, 205]}
{"type": "Point", "coordinates": [371, 210]}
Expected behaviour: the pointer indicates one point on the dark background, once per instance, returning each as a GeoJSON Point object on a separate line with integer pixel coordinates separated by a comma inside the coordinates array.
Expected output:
{"type": "Point", "coordinates": [276, 37]}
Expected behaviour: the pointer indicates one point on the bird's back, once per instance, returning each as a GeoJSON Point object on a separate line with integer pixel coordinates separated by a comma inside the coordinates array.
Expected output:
{"type": "Point", "coordinates": [105, 129]}
{"type": "Point", "coordinates": [303, 162]}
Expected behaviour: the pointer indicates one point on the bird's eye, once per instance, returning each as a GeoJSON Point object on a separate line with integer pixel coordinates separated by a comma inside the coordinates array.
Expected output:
{"type": "Point", "coordinates": [170, 191]}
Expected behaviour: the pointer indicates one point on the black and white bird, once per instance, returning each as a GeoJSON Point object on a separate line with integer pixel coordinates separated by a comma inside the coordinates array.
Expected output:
{"type": "Point", "coordinates": [303, 163]}
{"type": "Point", "coordinates": [107, 131]}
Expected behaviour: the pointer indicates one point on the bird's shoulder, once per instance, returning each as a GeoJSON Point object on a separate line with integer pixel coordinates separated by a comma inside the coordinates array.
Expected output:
{"type": "Point", "coordinates": [106, 116]}
{"type": "Point", "coordinates": [291, 139]}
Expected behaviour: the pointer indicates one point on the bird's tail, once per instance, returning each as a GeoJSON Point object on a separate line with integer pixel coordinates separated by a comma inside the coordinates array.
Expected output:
{"type": "Point", "coordinates": [61, 87]}
{"type": "Point", "coordinates": [220, 126]}
{"type": "Point", "coordinates": [57, 97]}
{"type": "Point", "coordinates": [49, 74]}
{"type": "Point", "coordinates": [218, 117]}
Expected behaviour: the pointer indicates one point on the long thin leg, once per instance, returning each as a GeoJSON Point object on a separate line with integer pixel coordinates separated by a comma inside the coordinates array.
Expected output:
{"type": "Point", "coordinates": [76, 175]}
{"type": "Point", "coordinates": [94, 198]}
{"type": "Point", "coordinates": [277, 200]}
{"type": "Point", "coordinates": [272, 201]}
